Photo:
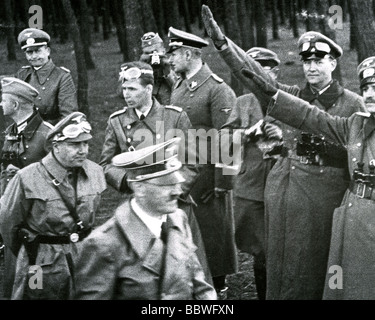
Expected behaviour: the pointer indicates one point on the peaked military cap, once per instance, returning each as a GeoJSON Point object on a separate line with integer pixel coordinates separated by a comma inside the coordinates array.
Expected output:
{"type": "Point", "coordinates": [179, 38]}
{"type": "Point", "coordinates": [366, 71]}
{"type": "Point", "coordinates": [264, 56]}
{"type": "Point", "coordinates": [158, 163]}
{"type": "Point", "coordinates": [314, 45]}
{"type": "Point", "coordinates": [151, 40]}
{"type": "Point", "coordinates": [73, 128]}
{"type": "Point", "coordinates": [18, 88]}
{"type": "Point", "coordinates": [32, 37]}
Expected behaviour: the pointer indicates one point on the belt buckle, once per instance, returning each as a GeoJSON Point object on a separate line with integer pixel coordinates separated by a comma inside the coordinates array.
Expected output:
{"type": "Point", "coordinates": [74, 237]}
{"type": "Point", "coordinates": [361, 193]}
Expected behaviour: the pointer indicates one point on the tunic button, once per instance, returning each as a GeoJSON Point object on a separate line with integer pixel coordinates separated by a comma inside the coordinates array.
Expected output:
{"type": "Point", "coordinates": [354, 159]}
{"type": "Point", "coordinates": [27, 147]}
{"type": "Point", "coordinates": [350, 204]}
{"type": "Point", "coordinates": [293, 167]}
{"type": "Point", "coordinates": [44, 88]}
{"type": "Point", "coordinates": [40, 98]}
{"type": "Point", "coordinates": [24, 158]}
{"type": "Point", "coordinates": [191, 95]}
{"type": "Point", "coordinates": [295, 139]}
{"type": "Point", "coordinates": [158, 136]}
{"type": "Point", "coordinates": [359, 144]}
{"type": "Point", "coordinates": [129, 139]}
{"type": "Point", "coordinates": [8, 180]}
{"type": "Point", "coordinates": [47, 78]}
{"type": "Point", "coordinates": [321, 171]}
{"type": "Point", "coordinates": [128, 126]}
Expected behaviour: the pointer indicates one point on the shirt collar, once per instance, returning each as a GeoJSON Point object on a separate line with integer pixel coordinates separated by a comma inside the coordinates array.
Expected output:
{"type": "Point", "coordinates": [152, 223]}
{"type": "Point", "coordinates": [139, 113]}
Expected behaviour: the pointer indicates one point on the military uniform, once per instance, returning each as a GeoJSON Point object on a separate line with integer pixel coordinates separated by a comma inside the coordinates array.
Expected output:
{"type": "Point", "coordinates": [352, 247]}
{"type": "Point", "coordinates": [208, 101]}
{"type": "Point", "coordinates": [38, 223]}
{"type": "Point", "coordinates": [297, 245]}
{"type": "Point", "coordinates": [57, 93]}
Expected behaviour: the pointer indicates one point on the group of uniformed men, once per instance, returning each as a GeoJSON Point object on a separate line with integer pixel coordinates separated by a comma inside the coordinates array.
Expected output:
{"type": "Point", "coordinates": [302, 197]}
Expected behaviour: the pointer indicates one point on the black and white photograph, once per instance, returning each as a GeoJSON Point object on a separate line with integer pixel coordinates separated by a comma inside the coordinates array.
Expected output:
{"type": "Point", "coordinates": [187, 150]}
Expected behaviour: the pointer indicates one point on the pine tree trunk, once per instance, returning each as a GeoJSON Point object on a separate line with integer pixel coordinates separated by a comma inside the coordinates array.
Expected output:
{"type": "Point", "coordinates": [117, 10]}
{"type": "Point", "coordinates": [82, 91]}
{"type": "Point", "coordinates": [134, 29]}
{"type": "Point", "coordinates": [245, 21]}
{"type": "Point", "coordinates": [260, 23]}
{"type": "Point", "coordinates": [275, 24]}
{"type": "Point", "coordinates": [85, 33]}
{"type": "Point", "coordinates": [9, 31]}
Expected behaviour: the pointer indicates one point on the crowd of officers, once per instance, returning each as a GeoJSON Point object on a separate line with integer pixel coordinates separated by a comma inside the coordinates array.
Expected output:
{"type": "Point", "coordinates": [300, 202]}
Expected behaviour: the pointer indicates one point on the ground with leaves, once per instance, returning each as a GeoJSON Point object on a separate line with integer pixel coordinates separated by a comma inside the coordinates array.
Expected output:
{"type": "Point", "coordinates": [103, 101]}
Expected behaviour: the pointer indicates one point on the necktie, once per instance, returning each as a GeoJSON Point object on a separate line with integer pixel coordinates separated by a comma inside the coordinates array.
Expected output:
{"type": "Point", "coordinates": [164, 232]}
{"type": "Point", "coordinates": [72, 178]}
{"type": "Point", "coordinates": [142, 117]}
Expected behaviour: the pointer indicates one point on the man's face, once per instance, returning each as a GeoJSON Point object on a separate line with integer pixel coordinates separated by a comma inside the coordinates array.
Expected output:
{"type": "Point", "coordinates": [158, 199]}
{"type": "Point", "coordinates": [7, 103]}
{"type": "Point", "coordinates": [178, 60]}
{"type": "Point", "coordinates": [38, 56]}
{"type": "Point", "coordinates": [318, 72]}
{"type": "Point", "coordinates": [368, 93]}
{"type": "Point", "coordinates": [71, 154]}
{"type": "Point", "coordinates": [136, 95]}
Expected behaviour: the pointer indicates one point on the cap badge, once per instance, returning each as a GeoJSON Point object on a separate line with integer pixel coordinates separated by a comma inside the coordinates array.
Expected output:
{"type": "Point", "coordinates": [308, 38]}
{"type": "Point", "coordinates": [194, 84]}
{"type": "Point", "coordinates": [367, 63]}
{"type": "Point", "coordinates": [30, 41]}
{"type": "Point", "coordinates": [254, 54]}
{"type": "Point", "coordinates": [368, 72]}
{"type": "Point", "coordinates": [226, 110]}
{"type": "Point", "coordinates": [28, 34]}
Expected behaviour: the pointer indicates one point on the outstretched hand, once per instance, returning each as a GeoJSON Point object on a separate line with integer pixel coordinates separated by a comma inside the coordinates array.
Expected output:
{"type": "Point", "coordinates": [261, 83]}
{"type": "Point", "coordinates": [211, 26]}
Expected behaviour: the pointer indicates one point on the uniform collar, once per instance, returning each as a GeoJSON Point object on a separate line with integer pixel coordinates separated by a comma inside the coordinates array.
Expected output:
{"type": "Point", "coordinates": [32, 126]}
{"type": "Point", "coordinates": [369, 126]}
{"type": "Point", "coordinates": [44, 72]}
{"type": "Point", "coordinates": [197, 79]}
{"type": "Point", "coordinates": [155, 111]}
{"type": "Point", "coordinates": [57, 170]}
{"type": "Point", "coordinates": [136, 231]}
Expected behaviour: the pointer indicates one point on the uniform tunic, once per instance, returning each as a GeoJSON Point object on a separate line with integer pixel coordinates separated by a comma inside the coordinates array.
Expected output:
{"type": "Point", "coordinates": [57, 93]}
{"type": "Point", "coordinates": [352, 243]}
{"type": "Point", "coordinates": [31, 199]}
{"type": "Point", "coordinates": [128, 263]}
{"type": "Point", "coordinates": [24, 147]}
{"type": "Point", "coordinates": [299, 198]}
{"type": "Point", "coordinates": [208, 101]}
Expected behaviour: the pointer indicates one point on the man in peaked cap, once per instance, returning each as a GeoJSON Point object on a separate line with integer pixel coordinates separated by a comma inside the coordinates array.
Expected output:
{"type": "Point", "coordinates": [260, 137]}
{"type": "Point", "coordinates": [57, 93]}
{"type": "Point", "coordinates": [146, 250]}
{"type": "Point", "coordinates": [207, 100]}
{"type": "Point", "coordinates": [24, 144]}
{"type": "Point", "coordinates": [65, 188]}
{"type": "Point", "coordinates": [299, 198]}
{"type": "Point", "coordinates": [352, 247]}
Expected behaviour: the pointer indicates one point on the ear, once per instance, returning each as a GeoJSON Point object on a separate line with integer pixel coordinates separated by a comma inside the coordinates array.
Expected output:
{"type": "Point", "coordinates": [188, 54]}
{"type": "Point", "coordinates": [334, 64]}
{"type": "Point", "coordinates": [149, 88]}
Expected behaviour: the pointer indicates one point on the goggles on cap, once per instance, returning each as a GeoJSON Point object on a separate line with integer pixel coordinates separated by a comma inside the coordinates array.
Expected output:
{"type": "Point", "coordinates": [133, 73]}
{"type": "Point", "coordinates": [73, 131]}
{"type": "Point", "coordinates": [149, 36]}
{"type": "Point", "coordinates": [319, 46]}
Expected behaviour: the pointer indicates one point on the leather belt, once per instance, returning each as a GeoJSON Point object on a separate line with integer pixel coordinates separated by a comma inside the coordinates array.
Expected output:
{"type": "Point", "coordinates": [362, 190]}
{"type": "Point", "coordinates": [73, 237]}
{"type": "Point", "coordinates": [326, 161]}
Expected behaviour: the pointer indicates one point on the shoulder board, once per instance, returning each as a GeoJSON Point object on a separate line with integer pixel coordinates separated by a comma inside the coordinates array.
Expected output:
{"type": "Point", "coordinates": [217, 78]}
{"type": "Point", "coordinates": [174, 108]}
{"type": "Point", "coordinates": [364, 114]}
{"type": "Point", "coordinates": [118, 112]}
{"type": "Point", "coordinates": [65, 69]}
{"type": "Point", "coordinates": [48, 124]}
{"type": "Point", "coordinates": [26, 67]}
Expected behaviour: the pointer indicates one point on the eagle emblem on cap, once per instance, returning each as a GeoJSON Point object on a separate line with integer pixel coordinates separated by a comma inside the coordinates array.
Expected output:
{"type": "Point", "coordinates": [28, 34]}
{"type": "Point", "coordinates": [30, 41]}
{"type": "Point", "coordinates": [368, 72]}
{"type": "Point", "coordinates": [367, 63]}
{"type": "Point", "coordinates": [254, 54]}
{"type": "Point", "coordinates": [226, 110]}
{"type": "Point", "coordinates": [308, 38]}
{"type": "Point", "coordinates": [194, 84]}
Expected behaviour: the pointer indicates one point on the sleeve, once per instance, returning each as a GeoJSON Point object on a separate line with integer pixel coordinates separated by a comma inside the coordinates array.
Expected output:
{"type": "Point", "coordinates": [223, 100]}
{"type": "Point", "coordinates": [67, 96]}
{"type": "Point", "coordinates": [95, 274]}
{"type": "Point", "coordinates": [111, 147]}
{"type": "Point", "coordinates": [13, 212]}
{"type": "Point", "coordinates": [304, 116]}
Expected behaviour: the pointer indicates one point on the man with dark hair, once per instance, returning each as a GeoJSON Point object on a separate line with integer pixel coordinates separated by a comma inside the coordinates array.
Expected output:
{"type": "Point", "coordinates": [57, 93]}
{"type": "Point", "coordinates": [310, 178]}
{"type": "Point", "coordinates": [145, 122]}
{"type": "Point", "coordinates": [350, 272]}
{"type": "Point", "coordinates": [48, 208]}
{"type": "Point", "coordinates": [145, 251]}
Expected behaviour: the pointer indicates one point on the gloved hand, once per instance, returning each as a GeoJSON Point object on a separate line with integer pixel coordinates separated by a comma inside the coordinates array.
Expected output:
{"type": "Point", "coordinates": [211, 26]}
{"type": "Point", "coordinates": [272, 131]}
{"type": "Point", "coordinates": [262, 84]}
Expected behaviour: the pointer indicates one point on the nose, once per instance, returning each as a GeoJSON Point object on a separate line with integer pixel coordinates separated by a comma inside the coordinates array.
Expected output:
{"type": "Point", "coordinates": [83, 147]}
{"type": "Point", "coordinates": [176, 190]}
